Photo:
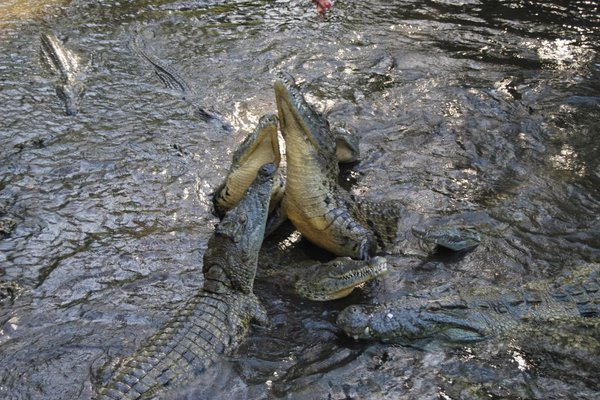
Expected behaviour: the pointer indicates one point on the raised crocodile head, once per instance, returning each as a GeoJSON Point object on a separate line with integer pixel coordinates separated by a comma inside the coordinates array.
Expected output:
{"type": "Point", "coordinates": [307, 134]}
{"type": "Point", "coordinates": [412, 319]}
{"type": "Point", "coordinates": [232, 254]}
{"type": "Point", "coordinates": [313, 200]}
{"type": "Point", "coordinates": [259, 148]}
{"type": "Point", "coordinates": [337, 278]}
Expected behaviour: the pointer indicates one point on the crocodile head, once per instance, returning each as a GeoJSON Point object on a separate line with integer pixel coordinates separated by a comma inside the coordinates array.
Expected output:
{"type": "Point", "coordinates": [308, 138]}
{"type": "Point", "coordinates": [455, 238]}
{"type": "Point", "coordinates": [71, 92]}
{"type": "Point", "coordinates": [412, 319]}
{"type": "Point", "coordinates": [259, 148]}
{"type": "Point", "coordinates": [232, 253]}
{"type": "Point", "coordinates": [313, 201]}
{"type": "Point", "coordinates": [337, 278]}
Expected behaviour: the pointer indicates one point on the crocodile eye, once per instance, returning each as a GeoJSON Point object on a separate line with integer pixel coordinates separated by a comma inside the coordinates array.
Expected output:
{"type": "Point", "coordinates": [267, 170]}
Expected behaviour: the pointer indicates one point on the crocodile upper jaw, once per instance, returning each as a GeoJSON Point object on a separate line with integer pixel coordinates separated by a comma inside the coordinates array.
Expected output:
{"type": "Point", "coordinates": [259, 148]}
{"type": "Point", "coordinates": [313, 201]}
{"type": "Point", "coordinates": [337, 278]}
{"type": "Point", "coordinates": [297, 117]}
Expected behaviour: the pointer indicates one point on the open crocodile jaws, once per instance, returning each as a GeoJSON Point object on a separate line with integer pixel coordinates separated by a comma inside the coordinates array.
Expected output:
{"type": "Point", "coordinates": [337, 278]}
{"type": "Point", "coordinates": [261, 146]}
{"type": "Point", "coordinates": [313, 201]}
{"type": "Point", "coordinates": [214, 321]}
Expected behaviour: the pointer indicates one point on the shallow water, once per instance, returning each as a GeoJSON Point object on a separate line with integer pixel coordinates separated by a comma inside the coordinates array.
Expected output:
{"type": "Point", "coordinates": [482, 112]}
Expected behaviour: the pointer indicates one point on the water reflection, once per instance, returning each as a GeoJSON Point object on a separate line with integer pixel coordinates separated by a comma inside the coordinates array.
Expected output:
{"type": "Point", "coordinates": [477, 111]}
{"type": "Point", "coordinates": [565, 53]}
{"type": "Point", "coordinates": [567, 160]}
{"type": "Point", "coordinates": [13, 12]}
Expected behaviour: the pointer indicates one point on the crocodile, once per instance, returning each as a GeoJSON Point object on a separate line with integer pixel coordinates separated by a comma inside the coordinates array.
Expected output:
{"type": "Point", "coordinates": [262, 146]}
{"type": "Point", "coordinates": [477, 313]}
{"type": "Point", "coordinates": [452, 237]}
{"type": "Point", "coordinates": [173, 80]}
{"type": "Point", "coordinates": [70, 86]}
{"type": "Point", "coordinates": [314, 281]}
{"type": "Point", "coordinates": [216, 320]}
{"type": "Point", "coordinates": [336, 278]}
{"type": "Point", "coordinates": [319, 208]}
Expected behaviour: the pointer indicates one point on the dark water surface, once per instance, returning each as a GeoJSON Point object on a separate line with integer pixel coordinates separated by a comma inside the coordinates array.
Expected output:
{"type": "Point", "coordinates": [484, 112]}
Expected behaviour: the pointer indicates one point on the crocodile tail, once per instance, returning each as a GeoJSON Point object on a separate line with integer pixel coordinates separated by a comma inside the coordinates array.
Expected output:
{"type": "Point", "coordinates": [380, 217]}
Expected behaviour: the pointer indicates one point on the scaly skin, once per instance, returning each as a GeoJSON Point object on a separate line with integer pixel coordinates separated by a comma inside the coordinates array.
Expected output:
{"type": "Point", "coordinates": [217, 319]}
{"type": "Point", "coordinates": [258, 148]}
{"type": "Point", "coordinates": [318, 282]}
{"type": "Point", "coordinates": [324, 213]}
{"type": "Point", "coordinates": [262, 146]}
{"type": "Point", "coordinates": [455, 238]}
{"type": "Point", "coordinates": [476, 313]}
{"type": "Point", "coordinates": [337, 278]}
{"type": "Point", "coordinates": [64, 62]}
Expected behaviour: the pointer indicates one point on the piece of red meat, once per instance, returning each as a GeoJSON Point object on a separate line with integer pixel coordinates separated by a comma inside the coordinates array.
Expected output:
{"type": "Point", "coordinates": [323, 5]}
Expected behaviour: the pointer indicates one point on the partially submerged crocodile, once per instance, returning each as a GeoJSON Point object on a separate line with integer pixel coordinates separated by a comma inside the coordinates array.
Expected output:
{"type": "Point", "coordinates": [337, 278]}
{"type": "Point", "coordinates": [318, 207]}
{"type": "Point", "coordinates": [214, 321]}
{"type": "Point", "coordinates": [70, 86]}
{"type": "Point", "coordinates": [315, 281]}
{"type": "Point", "coordinates": [473, 314]}
{"type": "Point", "coordinates": [173, 80]}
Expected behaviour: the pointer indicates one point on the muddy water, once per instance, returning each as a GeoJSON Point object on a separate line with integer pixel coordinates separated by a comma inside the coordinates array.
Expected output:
{"type": "Point", "coordinates": [481, 112]}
